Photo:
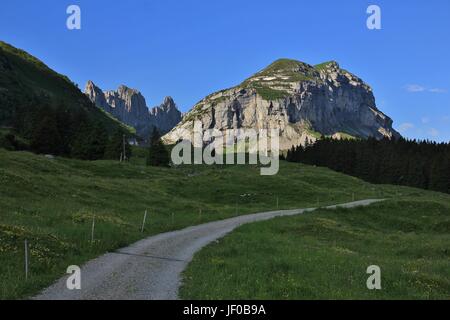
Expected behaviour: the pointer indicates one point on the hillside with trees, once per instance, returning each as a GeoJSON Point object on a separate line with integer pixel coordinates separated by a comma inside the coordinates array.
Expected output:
{"type": "Point", "coordinates": [421, 164]}
{"type": "Point", "coordinates": [46, 112]}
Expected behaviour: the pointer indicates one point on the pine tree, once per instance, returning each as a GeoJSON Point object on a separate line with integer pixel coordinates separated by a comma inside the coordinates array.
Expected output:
{"type": "Point", "coordinates": [114, 148]}
{"type": "Point", "coordinates": [46, 138]}
{"type": "Point", "coordinates": [157, 152]}
{"type": "Point", "coordinates": [90, 142]}
{"type": "Point", "coordinates": [65, 128]}
{"type": "Point", "coordinates": [422, 164]}
{"type": "Point", "coordinates": [440, 174]}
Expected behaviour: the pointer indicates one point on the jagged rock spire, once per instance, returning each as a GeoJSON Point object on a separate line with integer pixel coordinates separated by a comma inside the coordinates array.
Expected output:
{"type": "Point", "coordinates": [129, 106]}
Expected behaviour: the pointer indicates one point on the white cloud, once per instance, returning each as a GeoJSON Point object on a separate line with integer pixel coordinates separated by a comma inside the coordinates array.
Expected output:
{"type": "Point", "coordinates": [425, 120]}
{"type": "Point", "coordinates": [414, 88]}
{"type": "Point", "coordinates": [405, 127]}
{"type": "Point", "coordinates": [419, 88]}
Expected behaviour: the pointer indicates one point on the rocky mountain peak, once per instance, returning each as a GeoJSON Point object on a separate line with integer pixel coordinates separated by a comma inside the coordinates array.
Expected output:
{"type": "Point", "coordinates": [329, 65]}
{"type": "Point", "coordinates": [168, 103]}
{"type": "Point", "coordinates": [95, 94]}
{"type": "Point", "coordinates": [301, 100]}
{"type": "Point", "coordinates": [285, 65]}
{"type": "Point", "coordinates": [90, 83]}
{"type": "Point", "coordinates": [129, 106]}
{"type": "Point", "coordinates": [166, 114]}
{"type": "Point", "coordinates": [91, 87]}
{"type": "Point", "coordinates": [282, 70]}
{"type": "Point", "coordinates": [124, 90]}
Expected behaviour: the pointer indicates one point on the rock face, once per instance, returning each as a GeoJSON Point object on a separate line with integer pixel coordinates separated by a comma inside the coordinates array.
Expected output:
{"type": "Point", "coordinates": [129, 106]}
{"type": "Point", "coordinates": [166, 116]}
{"type": "Point", "coordinates": [304, 102]}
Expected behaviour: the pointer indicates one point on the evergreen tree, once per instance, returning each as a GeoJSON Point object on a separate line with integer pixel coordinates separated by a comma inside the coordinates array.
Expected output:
{"type": "Point", "coordinates": [114, 148]}
{"type": "Point", "coordinates": [440, 174]}
{"type": "Point", "coordinates": [46, 138]}
{"type": "Point", "coordinates": [157, 152]}
{"type": "Point", "coordinates": [90, 142]}
{"type": "Point", "coordinates": [421, 164]}
{"type": "Point", "coordinates": [65, 127]}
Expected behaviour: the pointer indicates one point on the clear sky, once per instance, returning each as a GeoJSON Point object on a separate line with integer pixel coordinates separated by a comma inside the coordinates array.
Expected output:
{"type": "Point", "coordinates": [190, 48]}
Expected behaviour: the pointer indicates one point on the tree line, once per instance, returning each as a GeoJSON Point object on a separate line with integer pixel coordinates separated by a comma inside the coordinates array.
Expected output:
{"type": "Point", "coordinates": [63, 131]}
{"type": "Point", "coordinates": [59, 130]}
{"type": "Point", "coordinates": [421, 164]}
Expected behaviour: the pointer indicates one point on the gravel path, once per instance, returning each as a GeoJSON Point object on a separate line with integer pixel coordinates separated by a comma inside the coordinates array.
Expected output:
{"type": "Point", "coordinates": [151, 268]}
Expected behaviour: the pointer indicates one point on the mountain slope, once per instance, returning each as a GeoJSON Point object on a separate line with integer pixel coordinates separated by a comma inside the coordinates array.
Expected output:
{"type": "Point", "coordinates": [129, 106]}
{"type": "Point", "coordinates": [26, 81]}
{"type": "Point", "coordinates": [301, 100]}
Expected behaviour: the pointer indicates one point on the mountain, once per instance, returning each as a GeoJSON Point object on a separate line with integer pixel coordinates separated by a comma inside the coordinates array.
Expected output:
{"type": "Point", "coordinates": [303, 101]}
{"type": "Point", "coordinates": [129, 106]}
{"type": "Point", "coordinates": [27, 85]}
{"type": "Point", "coordinates": [166, 116]}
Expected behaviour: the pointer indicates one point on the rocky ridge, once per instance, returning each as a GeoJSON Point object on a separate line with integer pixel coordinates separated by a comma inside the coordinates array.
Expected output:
{"type": "Point", "coordinates": [303, 101]}
{"type": "Point", "coordinates": [129, 106]}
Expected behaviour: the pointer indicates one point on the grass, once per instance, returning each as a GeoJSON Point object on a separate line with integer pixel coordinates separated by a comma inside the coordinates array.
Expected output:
{"type": "Point", "coordinates": [282, 65]}
{"type": "Point", "coordinates": [270, 94]}
{"type": "Point", "coordinates": [325, 255]}
{"type": "Point", "coordinates": [345, 136]}
{"type": "Point", "coordinates": [324, 65]}
{"type": "Point", "coordinates": [51, 203]}
{"type": "Point", "coordinates": [286, 71]}
{"type": "Point", "coordinates": [25, 71]}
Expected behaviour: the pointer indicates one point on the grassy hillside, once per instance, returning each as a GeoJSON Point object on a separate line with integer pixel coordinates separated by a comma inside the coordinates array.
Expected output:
{"type": "Point", "coordinates": [52, 202]}
{"type": "Point", "coordinates": [325, 255]}
{"type": "Point", "coordinates": [23, 78]}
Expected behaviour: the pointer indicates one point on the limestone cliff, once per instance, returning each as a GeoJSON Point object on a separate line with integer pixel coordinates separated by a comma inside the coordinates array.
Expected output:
{"type": "Point", "coordinates": [301, 100]}
{"type": "Point", "coordinates": [129, 106]}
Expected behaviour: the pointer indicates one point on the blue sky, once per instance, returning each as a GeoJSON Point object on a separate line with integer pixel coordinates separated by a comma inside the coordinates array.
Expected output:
{"type": "Point", "coordinates": [188, 49]}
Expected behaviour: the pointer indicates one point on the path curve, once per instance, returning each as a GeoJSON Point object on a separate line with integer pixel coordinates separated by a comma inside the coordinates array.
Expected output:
{"type": "Point", "coordinates": [150, 269]}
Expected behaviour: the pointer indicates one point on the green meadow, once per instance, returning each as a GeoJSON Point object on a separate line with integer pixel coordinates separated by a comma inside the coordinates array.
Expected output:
{"type": "Point", "coordinates": [52, 203]}
{"type": "Point", "coordinates": [325, 255]}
